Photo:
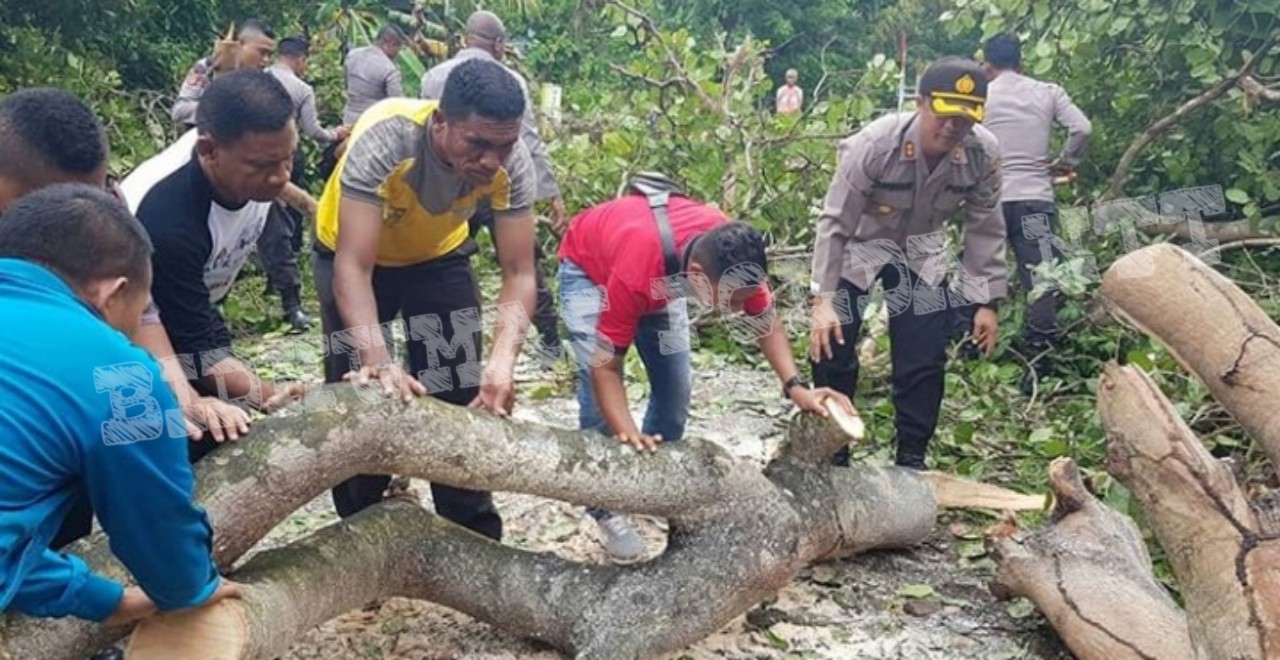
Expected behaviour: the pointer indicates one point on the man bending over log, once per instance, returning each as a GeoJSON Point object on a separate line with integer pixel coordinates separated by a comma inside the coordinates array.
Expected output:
{"type": "Point", "coordinates": [85, 416]}
{"type": "Point", "coordinates": [204, 201]}
{"type": "Point", "coordinates": [392, 240]}
{"type": "Point", "coordinates": [626, 268]}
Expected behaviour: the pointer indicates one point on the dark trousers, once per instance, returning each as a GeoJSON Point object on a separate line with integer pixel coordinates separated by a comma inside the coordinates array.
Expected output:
{"type": "Point", "coordinates": [544, 312]}
{"type": "Point", "coordinates": [281, 239]}
{"type": "Point", "coordinates": [918, 333]}
{"type": "Point", "coordinates": [79, 521]}
{"type": "Point", "coordinates": [1032, 228]}
{"type": "Point", "coordinates": [426, 297]}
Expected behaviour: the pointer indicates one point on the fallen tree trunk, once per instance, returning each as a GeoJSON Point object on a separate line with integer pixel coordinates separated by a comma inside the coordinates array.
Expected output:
{"type": "Point", "coordinates": [737, 534]}
{"type": "Point", "coordinates": [1088, 571]}
{"type": "Point", "coordinates": [1226, 566]}
{"type": "Point", "coordinates": [1214, 330]}
{"type": "Point", "coordinates": [1223, 554]}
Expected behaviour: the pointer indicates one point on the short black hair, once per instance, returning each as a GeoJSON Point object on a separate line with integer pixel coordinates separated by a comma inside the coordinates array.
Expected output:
{"type": "Point", "coordinates": [736, 248]}
{"type": "Point", "coordinates": [1003, 51]}
{"type": "Point", "coordinates": [294, 47]}
{"type": "Point", "coordinates": [254, 25]}
{"type": "Point", "coordinates": [389, 33]}
{"type": "Point", "coordinates": [242, 102]}
{"type": "Point", "coordinates": [81, 233]}
{"type": "Point", "coordinates": [483, 88]}
{"type": "Point", "coordinates": [45, 129]}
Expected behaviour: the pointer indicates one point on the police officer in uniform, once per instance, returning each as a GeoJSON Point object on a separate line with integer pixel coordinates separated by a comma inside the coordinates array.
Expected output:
{"type": "Point", "coordinates": [899, 180]}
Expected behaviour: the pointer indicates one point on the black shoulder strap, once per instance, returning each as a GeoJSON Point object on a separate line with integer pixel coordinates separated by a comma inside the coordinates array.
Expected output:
{"type": "Point", "coordinates": [658, 189]}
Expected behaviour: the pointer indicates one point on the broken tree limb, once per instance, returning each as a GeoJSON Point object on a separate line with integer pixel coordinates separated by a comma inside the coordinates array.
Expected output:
{"type": "Point", "coordinates": [737, 534]}
{"type": "Point", "coordinates": [1166, 123]}
{"type": "Point", "coordinates": [1223, 234]}
{"type": "Point", "coordinates": [1214, 330]}
{"type": "Point", "coordinates": [1088, 571]}
{"type": "Point", "coordinates": [1225, 566]}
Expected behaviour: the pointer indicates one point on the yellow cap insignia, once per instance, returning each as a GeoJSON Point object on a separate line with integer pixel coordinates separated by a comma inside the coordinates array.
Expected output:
{"type": "Point", "coordinates": [909, 149]}
{"type": "Point", "coordinates": [884, 209]}
{"type": "Point", "coordinates": [965, 85]}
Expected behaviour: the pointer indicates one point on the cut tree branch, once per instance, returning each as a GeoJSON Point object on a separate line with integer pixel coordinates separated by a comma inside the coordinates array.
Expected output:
{"type": "Point", "coordinates": [1202, 519]}
{"type": "Point", "coordinates": [1088, 571]}
{"type": "Point", "coordinates": [1210, 326]}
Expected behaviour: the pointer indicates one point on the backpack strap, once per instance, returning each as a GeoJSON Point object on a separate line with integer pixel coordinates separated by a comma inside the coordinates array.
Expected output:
{"type": "Point", "coordinates": [658, 189]}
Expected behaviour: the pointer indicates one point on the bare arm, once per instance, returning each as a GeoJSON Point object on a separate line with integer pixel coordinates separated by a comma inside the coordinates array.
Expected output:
{"type": "Point", "coordinates": [353, 266]}
{"type": "Point", "coordinates": [514, 234]}
{"type": "Point", "coordinates": [223, 420]}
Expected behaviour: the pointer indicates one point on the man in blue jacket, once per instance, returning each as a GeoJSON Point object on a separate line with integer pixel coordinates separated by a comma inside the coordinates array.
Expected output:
{"type": "Point", "coordinates": [88, 414]}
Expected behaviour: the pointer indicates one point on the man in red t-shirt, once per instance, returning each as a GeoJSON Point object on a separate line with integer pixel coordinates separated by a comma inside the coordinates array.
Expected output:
{"type": "Point", "coordinates": [614, 291]}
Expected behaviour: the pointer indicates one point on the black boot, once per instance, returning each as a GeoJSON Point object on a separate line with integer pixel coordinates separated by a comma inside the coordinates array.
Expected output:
{"type": "Point", "coordinates": [911, 453]}
{"type": "Point", "coordinates": [110, 653]}
{"type": "Point", "coordinates": [293, 314]}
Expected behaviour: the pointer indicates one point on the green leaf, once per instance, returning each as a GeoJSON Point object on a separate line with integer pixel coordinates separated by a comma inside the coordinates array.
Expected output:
{"type": "Point", "coordinates": [1237, 196]}
{"type": "Point", "coordinates": [619, 32]}
{"type": "Point", "coordinates": [1054, 448]}
{"type": "Point", "coordinates": [916, 591]}
{"type": "Point", "coordinates": [1041, 435]}
{"type": "Point", "coordinates": [1020, 608]}
{"type": "Point", "coordinates": [1139, 359]}
{"type": "Point", "coordinates": [971, 549]}
{"type": "Point", "coordinates": [776, 642]}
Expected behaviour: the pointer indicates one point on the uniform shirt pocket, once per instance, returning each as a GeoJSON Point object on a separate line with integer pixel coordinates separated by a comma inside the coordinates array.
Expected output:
{"type": "Point", "coordinates": [952, 196]}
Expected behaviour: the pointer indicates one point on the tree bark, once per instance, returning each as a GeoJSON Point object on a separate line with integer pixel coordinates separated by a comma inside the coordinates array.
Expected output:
{"type": "Point", "coordinates": [1214, 330]}
{"type": "Point", "coordinates": [1225, 565]}
{"type": "Point", "coordinates": [1088, 571]}
{"type": "Point", "coordinates": [737, 534]}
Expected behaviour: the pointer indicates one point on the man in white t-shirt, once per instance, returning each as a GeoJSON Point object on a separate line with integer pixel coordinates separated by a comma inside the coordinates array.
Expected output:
{"type": "Point", "coordinates": [790, 96]}
{"type": "Point", "coordinates": [204, 201]}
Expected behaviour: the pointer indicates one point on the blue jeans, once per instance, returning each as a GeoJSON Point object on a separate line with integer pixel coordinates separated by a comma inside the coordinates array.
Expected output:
{"type": "Point", "coordinates": [662, 340]}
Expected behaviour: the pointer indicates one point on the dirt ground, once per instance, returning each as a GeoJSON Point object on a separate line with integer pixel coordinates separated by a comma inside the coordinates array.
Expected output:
{"type": "Point", "coordinates": [927, 602]}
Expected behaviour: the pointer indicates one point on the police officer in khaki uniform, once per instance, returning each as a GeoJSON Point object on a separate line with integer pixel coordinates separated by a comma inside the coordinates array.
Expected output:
{"type": "Point", "coordinates": [899, 180]}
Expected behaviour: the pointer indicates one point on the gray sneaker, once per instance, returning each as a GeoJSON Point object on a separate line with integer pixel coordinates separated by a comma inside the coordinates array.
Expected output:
{"type": "Point", "coordinates": [620, 540]}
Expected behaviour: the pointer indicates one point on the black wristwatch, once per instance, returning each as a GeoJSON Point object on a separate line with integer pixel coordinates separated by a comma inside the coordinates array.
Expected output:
{"type": "Point", "coordinates": [993, 305]}
{"type": "Point", "coordinates": [793, 382]}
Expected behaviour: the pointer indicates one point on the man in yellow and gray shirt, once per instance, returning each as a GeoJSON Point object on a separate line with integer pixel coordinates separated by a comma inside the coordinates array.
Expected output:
{"type": "Point", "coordinates": [392, 239]}
{"type": "Point", "coordinates": [898, 182]}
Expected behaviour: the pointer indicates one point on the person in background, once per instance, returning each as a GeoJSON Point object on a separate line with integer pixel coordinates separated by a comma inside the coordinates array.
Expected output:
{"type": "Point", "coordinates": [790, 97]}
{"type": "Point", "coordinates": [610, 258]}
{"type": "Point", "coordinates": [204, 201]}
{"type": "Point", "coordinates": [85, 418]}
{"type": "Point", "coordinates": [486, 38]}
{"type": "Point", "coordinates": [898, 182]}
{"type": "Point", "coordinates": [256, 43]}
{"type": "Point", "coordinates": [392, 240]}
{"type": "Point", "coordinates": [372, 73]}
{"type": "Point", "coordinates": [1022, 112]}
{"type": "Point", "coordinates": [281, 240]}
